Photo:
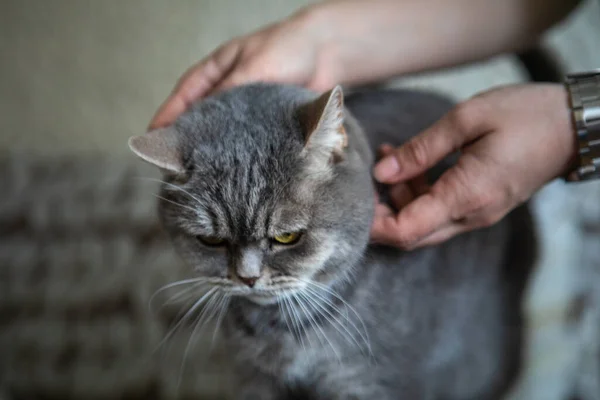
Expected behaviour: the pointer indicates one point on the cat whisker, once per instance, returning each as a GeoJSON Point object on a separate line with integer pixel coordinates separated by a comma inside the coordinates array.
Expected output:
{"type": "Point", "coordinates": [333, 307]}
{"type": "Point", "coordinates": [181, 314]}
{"type": "Point", "coordinates": [285, 317]}
{"type": "Point", "coordinates": [176, 203]}
{"type": "Point", "coordinates": [194, 307]}
{"type": "Point", "coordinates": [222, 312]}
{"type": "Point", "coordinates": [175, 187]}
{"type": "Point", "coordinates": [284, 279]}
{"type": "Point", "coordinates": [209, 310]}
{"type": "Point", "coordinates": [187, 292]}
{"type": "Point", "coordinates": [192, 334]}
{"type": "Point", "coordinates": [295, 320]}
{"type": "Point", "coordinates": [299, 309]}
{"type": "Point", "coordinates": [170, 285]}
{"type": "Point", "coordinates": [333, 320]}
{"type": "Point", "coordinates": [317, 326]}
{"type": "Point", "coordinates": [301, 321]}
{"type": "Point", "coordinates": [215, 311]}
{"type": "Point", "coordinates": [365, 335]}
{"type": "Point", "coordinates": [206, 312]}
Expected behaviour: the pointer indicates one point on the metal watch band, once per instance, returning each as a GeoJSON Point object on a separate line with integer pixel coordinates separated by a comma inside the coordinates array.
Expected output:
{"type": "Point", "coordinates": [584, 90]}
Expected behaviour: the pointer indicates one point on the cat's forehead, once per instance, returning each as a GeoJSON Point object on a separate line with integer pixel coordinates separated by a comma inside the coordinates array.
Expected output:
{"type": "Point", "coordinates": [248, 190]}
{"type": "Point", "coordinates": [241, 129]}
{"type": "Point", "coordinates": [255, 105]}
{"type": "Point", "coordinates": [244, 205]}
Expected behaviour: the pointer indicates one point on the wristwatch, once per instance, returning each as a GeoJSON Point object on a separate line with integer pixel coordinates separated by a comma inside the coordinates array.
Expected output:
{"type": "Point", "coordinates": [584, 91]}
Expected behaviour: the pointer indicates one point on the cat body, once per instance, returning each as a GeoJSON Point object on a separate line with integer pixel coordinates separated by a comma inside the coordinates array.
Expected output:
{"type": "Point", "coordinates": [269, 198]}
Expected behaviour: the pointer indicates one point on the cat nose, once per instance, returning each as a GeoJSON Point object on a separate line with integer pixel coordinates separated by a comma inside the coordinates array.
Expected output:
{"type": "Point", "coordinates": [250, 281]}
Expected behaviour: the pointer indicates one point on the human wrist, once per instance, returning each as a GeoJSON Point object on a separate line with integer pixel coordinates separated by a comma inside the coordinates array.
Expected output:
{"type": "Point", "coordinates": [354, 36]}
{"type": "Point", "coordinates": [568, 134]}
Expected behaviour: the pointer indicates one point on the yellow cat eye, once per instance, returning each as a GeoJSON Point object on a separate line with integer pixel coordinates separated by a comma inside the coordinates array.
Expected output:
{"type": "Point", "coordinates": [288, 237]}
{"type": "Point", "coordinates": [211, 240]}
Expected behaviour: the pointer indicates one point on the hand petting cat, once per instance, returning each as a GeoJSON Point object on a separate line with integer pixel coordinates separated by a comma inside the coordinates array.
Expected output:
{"type": "Point", "coordinates": [289, 51]}
{"type": "Point", "coordinates": [513, 139]}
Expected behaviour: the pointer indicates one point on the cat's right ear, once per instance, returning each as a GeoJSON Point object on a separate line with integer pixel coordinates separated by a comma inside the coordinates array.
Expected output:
{"type": "Point", "coordinates": [161, 148]}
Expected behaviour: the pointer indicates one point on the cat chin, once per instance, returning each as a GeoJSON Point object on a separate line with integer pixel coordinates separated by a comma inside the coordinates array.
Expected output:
{"type": "Point", "coordinates": [262, 300]}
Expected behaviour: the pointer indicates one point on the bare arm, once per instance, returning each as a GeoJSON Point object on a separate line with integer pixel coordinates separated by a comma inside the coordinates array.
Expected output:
{"type": "Point", "coordinates": [373, 40]}
{"type": "Point", "coordinates": [359, 41]}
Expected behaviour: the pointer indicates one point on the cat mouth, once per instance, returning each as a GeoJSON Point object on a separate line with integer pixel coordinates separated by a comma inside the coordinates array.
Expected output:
{"type": "Point", "coordinates": [263, 291]}
{"type": "Point", "coordinates": [274, 291]}
{"type": "Point", "coordinates": [265, 295]}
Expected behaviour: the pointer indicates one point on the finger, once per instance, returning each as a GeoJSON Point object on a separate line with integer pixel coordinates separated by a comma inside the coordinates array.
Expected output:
{"type": "Point", "coordinates": [417, 220]}
{"type": "Point", "coordinates": [238, 78]}
{"type": "Point", "coordinates": [196, 82]}
{"type": "Point", "coordinates": [441, 235]}
{"type": "Point", "coordinates": [210, 72]}
{"type": "Point", "coordinates": [244, 73]}
{"type": "Point", "coordinates": [383, 210]}
{"type": "Point", "coordinates": [461, 125]}
{"type": "Point", "coordinates": [384, 150]}
{"type": "Point", "coordinates": [168, 112]}
{"type": "Point", "coordinates": [401, 194]}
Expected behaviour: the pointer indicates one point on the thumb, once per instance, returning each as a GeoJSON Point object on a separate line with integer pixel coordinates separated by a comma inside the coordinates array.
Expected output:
{"type": "Point", "coordinates": [461, 125]}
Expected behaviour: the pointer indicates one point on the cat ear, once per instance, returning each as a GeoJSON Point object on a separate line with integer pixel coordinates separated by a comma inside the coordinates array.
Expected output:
{"type": "Point", "coordinates": [159, 147]}
{"type": "Point", "coordinates": [323, 120]}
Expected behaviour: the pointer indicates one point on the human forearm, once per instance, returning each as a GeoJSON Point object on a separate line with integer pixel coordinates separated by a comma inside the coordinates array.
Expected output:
{"type": "Point", "coordinates": [359, 41]}
{"type": "Point", "coordinates": [372, 40]}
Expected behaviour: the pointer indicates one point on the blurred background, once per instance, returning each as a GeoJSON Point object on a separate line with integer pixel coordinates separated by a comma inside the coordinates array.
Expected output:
{"type": "Point", "coordinates": [80, 247]}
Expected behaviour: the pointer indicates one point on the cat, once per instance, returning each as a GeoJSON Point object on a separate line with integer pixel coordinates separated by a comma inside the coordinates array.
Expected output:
{"type": "Point", "coordinates": [269, 198]}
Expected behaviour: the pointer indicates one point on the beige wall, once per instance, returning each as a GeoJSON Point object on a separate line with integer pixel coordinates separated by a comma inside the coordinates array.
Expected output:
{"type": "Point", "coordinates": [86, 74]}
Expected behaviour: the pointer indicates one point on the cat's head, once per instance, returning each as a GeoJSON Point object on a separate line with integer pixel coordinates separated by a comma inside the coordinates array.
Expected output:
{"type": "Point", "coordinates": [267, 188]}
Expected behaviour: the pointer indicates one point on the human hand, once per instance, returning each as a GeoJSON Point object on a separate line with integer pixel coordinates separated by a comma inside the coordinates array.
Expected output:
{"type": "Point", "coordinates": [513, 140]}
{"type": "Point", "coordinates": [290, 51]}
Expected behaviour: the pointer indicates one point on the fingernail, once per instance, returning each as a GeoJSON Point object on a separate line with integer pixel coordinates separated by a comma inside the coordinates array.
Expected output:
{"type": "Point", "coordinates": [386, 169]}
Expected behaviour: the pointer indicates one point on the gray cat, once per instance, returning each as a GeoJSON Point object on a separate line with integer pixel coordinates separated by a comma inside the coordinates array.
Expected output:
{"type": "Point", "coordinates": [269, 198]}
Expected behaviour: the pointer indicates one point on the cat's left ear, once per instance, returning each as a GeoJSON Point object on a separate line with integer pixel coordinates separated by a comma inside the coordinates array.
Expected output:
{"type": "Point", "coordinates": [323, 121]}
{"type": "Point", "coordinates": [160, 147]}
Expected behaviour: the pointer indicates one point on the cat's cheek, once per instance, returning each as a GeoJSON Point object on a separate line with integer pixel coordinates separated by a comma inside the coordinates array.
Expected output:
{"type": "Point", "coordinates": [307, 258]}
{"type": "Point", "coordinates": [284, 261]}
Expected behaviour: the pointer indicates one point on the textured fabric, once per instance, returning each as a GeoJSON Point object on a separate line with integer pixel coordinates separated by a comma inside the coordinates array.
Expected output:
{"type": "Point", "coordinates": [81, 253]}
